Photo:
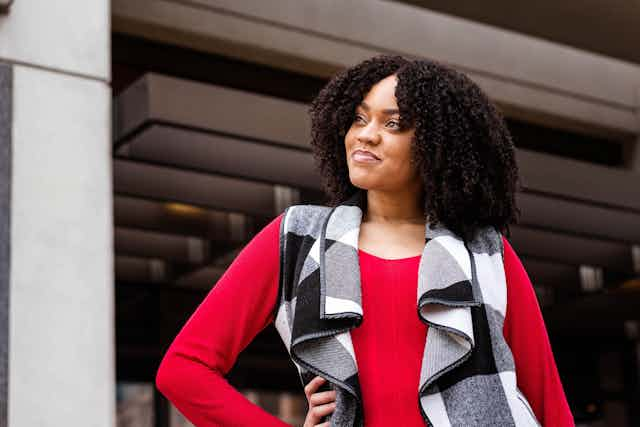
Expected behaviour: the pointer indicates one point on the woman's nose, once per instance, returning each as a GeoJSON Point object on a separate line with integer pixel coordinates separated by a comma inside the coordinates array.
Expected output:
{"type": "Point", "coordinates": [369, 133]}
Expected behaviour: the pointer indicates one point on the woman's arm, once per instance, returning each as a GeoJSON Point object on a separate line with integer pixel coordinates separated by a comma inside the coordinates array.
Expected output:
{"type": "Point", "coordinates": [526, 335]}
{"type": "Point", "coordinates": [240, 305]}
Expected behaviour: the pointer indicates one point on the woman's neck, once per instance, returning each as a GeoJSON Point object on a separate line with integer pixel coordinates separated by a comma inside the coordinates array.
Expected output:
{"type": "Point", "coordinates": [394, 208]}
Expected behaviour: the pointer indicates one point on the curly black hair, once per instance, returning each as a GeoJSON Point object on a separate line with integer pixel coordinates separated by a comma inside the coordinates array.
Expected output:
{"type": "Point", "coordinates": [461, 144]}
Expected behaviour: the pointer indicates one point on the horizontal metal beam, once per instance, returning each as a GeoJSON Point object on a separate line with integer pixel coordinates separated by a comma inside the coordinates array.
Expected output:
{"type": "Point", "coordinates": [153, 244]}
{"type": "Point", "coordinates": [579, 181]}
{"type": "Point", "coordinates": [155, 97]}
{"type": "Point", "coordinates": [543, 272]}
{"type": "Point", "coordinates": [207, 190]}
{"type": "Point", "coordinates": [520, 72]}
{"type": "Point", "coordinates": [210, 152]}
{"type": "Point", "coordinates": [147, 102]}
{"type": "Point", "coordinates": [581, 219]}
{"type": "Point", "coordinates": [138, 269]}
{"type": "Point", "coordinates": [184, 220]}
{"type": "Point", "coordinates": [572, 250]}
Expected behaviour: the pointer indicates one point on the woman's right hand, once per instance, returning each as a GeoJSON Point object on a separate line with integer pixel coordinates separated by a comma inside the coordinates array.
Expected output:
{"type": "Point", "coordinates": [321, 404]}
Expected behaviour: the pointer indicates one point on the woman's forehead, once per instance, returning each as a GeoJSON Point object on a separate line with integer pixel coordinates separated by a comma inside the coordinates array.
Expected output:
{"type": "Point", "coordinates": [381, 97]}
{"type": "Point", "coordinates": [391, 109]}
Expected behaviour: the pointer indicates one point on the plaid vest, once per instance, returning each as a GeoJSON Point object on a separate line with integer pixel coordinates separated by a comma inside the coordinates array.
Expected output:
{"type": "Point", "coordinates": [467, 374]}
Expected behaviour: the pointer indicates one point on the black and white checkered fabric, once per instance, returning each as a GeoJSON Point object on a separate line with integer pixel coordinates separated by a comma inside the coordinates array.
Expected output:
{"type": "Point", "coordinates": [467, 376]}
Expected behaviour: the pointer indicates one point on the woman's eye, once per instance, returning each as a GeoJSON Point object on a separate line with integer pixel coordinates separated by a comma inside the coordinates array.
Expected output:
{"type": "Point", "coordinates": [394, 123]}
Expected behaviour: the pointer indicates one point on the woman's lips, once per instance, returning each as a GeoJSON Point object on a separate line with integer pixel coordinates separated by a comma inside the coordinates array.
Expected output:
{"type": "Point", "coordinates": [364, 157]}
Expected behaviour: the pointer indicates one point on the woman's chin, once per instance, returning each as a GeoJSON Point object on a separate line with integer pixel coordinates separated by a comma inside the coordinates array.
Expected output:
{"type": "Point", "coordinates": [363, 181]}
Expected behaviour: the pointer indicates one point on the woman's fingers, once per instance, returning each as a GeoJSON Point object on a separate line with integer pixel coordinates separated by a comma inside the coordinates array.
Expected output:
{"type": "Point", "coordinates": [321, 403]}
{"type": "Point", "coordinates": [313, 385]}
{"type": "Point", "coordinates": [322, 410]}
{"type": "Point", "coordinates": [322, 397]}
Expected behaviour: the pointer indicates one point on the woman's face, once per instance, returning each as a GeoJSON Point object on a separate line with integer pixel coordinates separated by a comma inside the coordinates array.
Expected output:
{"type": "Point", "coordinates": [376, 129]}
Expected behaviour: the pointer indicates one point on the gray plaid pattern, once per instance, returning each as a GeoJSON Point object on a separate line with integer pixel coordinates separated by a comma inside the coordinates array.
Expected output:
{"type": "Point", "coordinates": [467, 375]}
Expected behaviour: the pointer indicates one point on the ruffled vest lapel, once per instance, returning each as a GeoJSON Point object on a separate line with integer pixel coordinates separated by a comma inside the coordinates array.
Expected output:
{"type": "Point", "coordinates": [324, 314]}
{"type": "Point", "coordinates": [328, 305]}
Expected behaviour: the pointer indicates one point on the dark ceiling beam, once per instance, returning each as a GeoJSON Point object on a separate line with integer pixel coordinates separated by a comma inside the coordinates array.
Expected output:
{"type": "Point", "coordinates": [217, 226]}
{"type": "Point", "coordinates": [320, 45]}
{"type": "Point", "coordinates": [160, 268]}
{"type": "Point", "coordinates": [138, 269]}
{"type": "Point", "coordinates": [207, 190]}
{"type": "Point", "coordinates": [565, 248]}
{"type": "Point", "coordinates": [210, 107]}
{"type": "Point", "coordinates": [579, 219]}
{"type": "Point", "coordinates": [604, 313]}
{"type": "Point", "coordinates": [542, 271]}
{"type": "Point", "coordinates": [190, 250]}
{"type": "Point", "coordinates": [233, 114]}
{"type": "Point", "coordinates": [579, 181]}
{"type": "Point", "coordinates": [209, 152]}
{"type": "Point", "coordinates": [569, 23]}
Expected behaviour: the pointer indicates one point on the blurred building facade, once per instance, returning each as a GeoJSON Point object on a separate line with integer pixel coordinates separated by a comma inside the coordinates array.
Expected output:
{"type": "Point", "coordinates": [143, 143]}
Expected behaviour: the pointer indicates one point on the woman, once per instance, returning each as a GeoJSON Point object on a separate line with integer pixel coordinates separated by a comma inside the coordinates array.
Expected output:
{"type": "Point", "coordinates": [400, 144]}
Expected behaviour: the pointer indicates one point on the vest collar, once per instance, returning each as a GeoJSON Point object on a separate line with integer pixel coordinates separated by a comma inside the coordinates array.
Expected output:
{"type": "Point", "coordinates": [448, 269]}
{"type": "Point", "coordinates": [444, 290]}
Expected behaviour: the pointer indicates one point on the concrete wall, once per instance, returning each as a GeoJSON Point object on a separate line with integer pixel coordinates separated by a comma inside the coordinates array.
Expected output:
{"type": "Point", "coordinates": [60, 305]}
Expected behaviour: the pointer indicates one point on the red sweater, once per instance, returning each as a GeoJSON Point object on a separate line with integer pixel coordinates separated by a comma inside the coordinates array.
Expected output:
{"type": "Point", "coordinates": [391, 336]}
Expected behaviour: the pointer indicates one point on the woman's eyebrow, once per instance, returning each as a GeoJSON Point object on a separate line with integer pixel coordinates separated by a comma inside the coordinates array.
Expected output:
{"type": "Point", "coordinates": [387, 111]}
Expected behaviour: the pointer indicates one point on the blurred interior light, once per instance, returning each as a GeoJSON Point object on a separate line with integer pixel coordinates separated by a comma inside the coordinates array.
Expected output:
{"type": "Point", "coordinates": [631, 284]}
{"type": "Point", "coordinates": [183, 209]}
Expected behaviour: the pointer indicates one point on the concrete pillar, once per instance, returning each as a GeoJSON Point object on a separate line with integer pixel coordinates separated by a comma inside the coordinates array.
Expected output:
{"type": "Point", "coordinates": [59, 339]}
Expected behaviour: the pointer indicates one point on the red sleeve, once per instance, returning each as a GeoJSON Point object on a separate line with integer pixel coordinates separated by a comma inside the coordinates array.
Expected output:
{"type": "Point", "coordinates": [238, 307]}
{"type": "Point", "coordinates": [526, 335]}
